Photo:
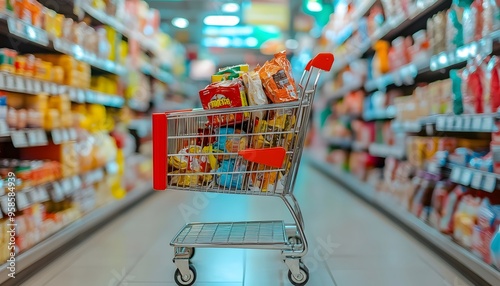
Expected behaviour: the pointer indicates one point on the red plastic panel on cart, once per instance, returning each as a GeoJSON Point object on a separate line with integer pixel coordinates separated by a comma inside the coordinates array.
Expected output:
{"type": "Point", "coordinates": [159, 151]}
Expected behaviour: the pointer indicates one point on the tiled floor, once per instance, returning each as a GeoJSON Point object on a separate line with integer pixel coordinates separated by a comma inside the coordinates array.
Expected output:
{"type": "Point", "coordinates": [350, 244]}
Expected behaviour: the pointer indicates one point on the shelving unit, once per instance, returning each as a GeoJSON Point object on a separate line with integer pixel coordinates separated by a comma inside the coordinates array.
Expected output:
{"type": "Point", "coordinates": [484, 272]}
{"type": "Point", "coordinates": [50, 246]}
{"type": "Point", "coordinates": [389, 30]}
{"type": "Point", "coordinates": [21, 84]}
{"type": "Point", "coordinates": [383, 151]}
{"type": "Point", "coordinates": [426, 80]}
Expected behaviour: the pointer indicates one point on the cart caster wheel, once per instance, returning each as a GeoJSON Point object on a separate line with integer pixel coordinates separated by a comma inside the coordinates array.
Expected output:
{"type": "Point", "coordinates": [186, 280]}
{"type": "Point", "coordinates": [191, 252]}
{"type": "Point", "coordinates": [294, 240]}
{"type": "Point", "coordinates": [302, 278]}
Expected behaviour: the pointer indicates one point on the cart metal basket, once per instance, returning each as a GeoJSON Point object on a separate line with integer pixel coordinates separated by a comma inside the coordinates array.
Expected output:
{"type": "Point", "coordinates": [253, 150]}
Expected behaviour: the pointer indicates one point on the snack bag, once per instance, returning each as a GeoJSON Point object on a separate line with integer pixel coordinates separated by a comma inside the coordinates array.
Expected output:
{"type": "Point", "coordinates": [184, 179]}
{"type": "Point", "coordinates": [277, 80]}
{"type": "Point", "coordinates": [231, 140]}
{"type": "Point", "coordinates": [225, 94]}
{"type": "Point", "coordinates": [255, 93]}
{"type": "Point", "coordinates": [263, 179]}
{"type": "Point", "coordinates": [232, 176]}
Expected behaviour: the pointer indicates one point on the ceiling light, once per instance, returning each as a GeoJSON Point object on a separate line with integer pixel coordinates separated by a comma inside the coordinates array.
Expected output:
{"type": "Point", "coordinates": [251, 42]}
{"type": "Point", "coordinates": [230, 7]}
{"type": "Point", "coordinates": [180, 23]}
{"type": "Point", "coordinates": [292, 44]}
{"type": "Point", "coordinates": [314, 6]}
{"type": "Point", "coordinates": [221, 20]}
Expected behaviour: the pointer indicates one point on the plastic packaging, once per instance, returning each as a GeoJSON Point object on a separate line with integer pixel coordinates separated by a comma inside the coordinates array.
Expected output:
{"type": "Point", "coordinates": [277, 79]}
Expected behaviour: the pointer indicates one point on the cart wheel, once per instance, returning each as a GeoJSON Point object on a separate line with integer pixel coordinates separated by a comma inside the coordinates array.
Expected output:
{"type": "Point", "coordinates": [294, 240]}
{"type": "Point", "coordinates": [302, 278]}
{"type": "Point", "coordinates": [191, 252]}
{"type": "Point", "coordinates": [187, 280]}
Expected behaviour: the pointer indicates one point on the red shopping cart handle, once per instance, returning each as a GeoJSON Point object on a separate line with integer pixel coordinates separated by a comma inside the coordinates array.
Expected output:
{"type": "Point", "coordinates": [272, 157]}
{"type": "Point", "coordinates": [322, 61]}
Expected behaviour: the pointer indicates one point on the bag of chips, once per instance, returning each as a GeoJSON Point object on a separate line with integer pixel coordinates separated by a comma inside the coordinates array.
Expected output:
{"type": "Point", "coordinates": [276, 77]}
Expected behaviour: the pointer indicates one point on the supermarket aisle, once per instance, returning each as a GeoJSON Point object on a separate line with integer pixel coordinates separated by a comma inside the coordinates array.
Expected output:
{"type": "Point", "coordinates": [351, 244]}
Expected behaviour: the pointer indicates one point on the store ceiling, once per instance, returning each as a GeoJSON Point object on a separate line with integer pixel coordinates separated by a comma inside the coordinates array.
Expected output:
{"type": "Point", "coordinates": [195, 11]}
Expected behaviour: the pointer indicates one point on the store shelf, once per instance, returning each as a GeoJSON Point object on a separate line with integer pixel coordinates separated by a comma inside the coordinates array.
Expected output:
{"type": "Point", "coordinates": [95, 218]}
{"type": "Point", "coordinates": [342, 92]}
{"type": "Point", "coordinates": [389, 30]}
{"type": "Point", "coordinates": [359, 146]}
{"type": "Point", "coordinates": [338, 141]}
{"type": "Point", "coordinates": [55, 191]}
{"type": "Point", "coordinates": [465, 123]}
{"type": "Point", "coordinates": [80, 54]}
{"type": "Point", "coordinates": [146, 44]}
{"type": "Point", "coordinates": [480, 271]}
{"type": "Point", "coordinates": [157, 73]}
{"type": "Point", "coordinates": [21, 84]}
{"type": "Point", "coordinates": [388, 113]}
{"type": "Point", "coordinates": [12, 26]}
{"type": "Point", "coordinates": [451, 123]}
{"type": "Point", "coordinates": [476, 179]}
{"type": "Point", "coordinates": [384, 151]}
{"type": "Point", "coordinates": [403, 76]}
{"type": "Point", "coordinates": [356, 16]}
{"type": "Point", "coordinates": [40, 38]}
{"type": "Point", "coordinates": [462, 54]}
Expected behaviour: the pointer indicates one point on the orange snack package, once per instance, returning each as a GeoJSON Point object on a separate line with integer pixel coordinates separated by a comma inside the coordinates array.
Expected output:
{"type": "Point", "coordinates": [277, 79]}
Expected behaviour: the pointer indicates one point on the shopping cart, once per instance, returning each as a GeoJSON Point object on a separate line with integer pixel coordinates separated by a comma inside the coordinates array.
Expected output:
{"type": "Point", "coordinates": [213, 151]}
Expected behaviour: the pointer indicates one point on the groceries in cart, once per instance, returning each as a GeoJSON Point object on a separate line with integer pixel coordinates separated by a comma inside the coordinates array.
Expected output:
{"type": "Point", "coordinates": [210, 157]}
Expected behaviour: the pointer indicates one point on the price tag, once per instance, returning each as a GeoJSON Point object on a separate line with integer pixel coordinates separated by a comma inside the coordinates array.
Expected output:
{"type": "Point", "coordinates": [72, 94]}
{"type": "Point", "coordinates": [30, 88]}
{"type": "Point", "coordinates": [476, 124]}
{"type": "Point", "coordinates": [19, 139]}
{"type": "Point", "coordinates": [455, 174]}
{"type": "Point", "coordinates": [64, 135]}
{"type": "Point", "coordinates": [43, 195]}
{"type": "Point", "coordinates": [21, 201]}
{"type": "Point", "coordinates": [54, 89]}
{"type": "Point", "coordinates": [81, 95]}
{"type": "Point", "coordinates": [490, 183]}
{"type": "Point", "coordinates": [46, 87]}
{"type": "Point", "coordinates": [33, 138]}
{"type": "Point", "coordinates": [5, 204]}
{"type": "Point", "coordinates": [72, 134]}
{"type": "Point", "coordinates": [441, 123]}
{"type": "Point", "coordinates": [467, 123]}
{"type": "Point", "coordinates": [10, 84]}
{"type": "Point", "coordinates": [34, 196]}
{"type": "Point", "coordinates": [2, 80]}
{"type": "Point", "coordinates": [77, 182]}
{"type": "Point", "coordinates": [466, 177]}
{"type": "Point", "coordinates": [67, 186]}
{"type": "Point", "coordinates": [488, 124]}
{"type": "Point", "coordinates": [477, 179]}
{"type": "Point", "coordinates": [4, 129]}
{"type": "Point", "coordinates": [37, 86]}
{"type": "Point", "coordinates": [56, 136]}
{"type": "Point", "coordinates": [20, 84]}
{"type": "Point", "coordinates": [450, 123]}
{"type": "Point", "coordinates": [41, 137]}
{"type": "Point", "coordinates": [57, 192]}
{"type": "Point", "coordinates": [459, 123]}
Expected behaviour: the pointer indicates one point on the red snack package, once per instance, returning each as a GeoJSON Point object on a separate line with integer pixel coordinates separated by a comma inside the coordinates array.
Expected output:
{"type": "Point", "coordinates": [224, 94]}
{"type": "Point", "coordinates": [277, 79]}
{"type": "Point", "coordinates": [494, 82]}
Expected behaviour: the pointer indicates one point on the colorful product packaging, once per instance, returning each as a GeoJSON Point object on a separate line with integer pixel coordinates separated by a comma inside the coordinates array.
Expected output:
{"type": "Point", "coordinates": [226, 94]}
{"type": "Point", "coordinates": [276, 77]}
